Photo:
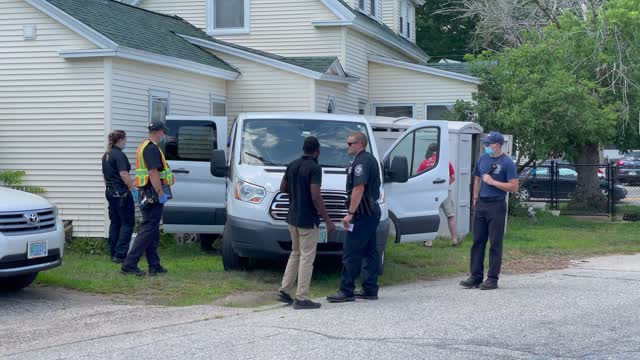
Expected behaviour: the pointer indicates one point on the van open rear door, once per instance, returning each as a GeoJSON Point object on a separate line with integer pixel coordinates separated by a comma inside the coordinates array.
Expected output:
{"type": "Point", "coordinates": [198, 204]}
{"type": "Point", "coordinates": [414, 205]}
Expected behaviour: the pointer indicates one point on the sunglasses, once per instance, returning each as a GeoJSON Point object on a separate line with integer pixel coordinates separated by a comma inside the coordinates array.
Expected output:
{"type": "Point", "coordinates": [351, 143]}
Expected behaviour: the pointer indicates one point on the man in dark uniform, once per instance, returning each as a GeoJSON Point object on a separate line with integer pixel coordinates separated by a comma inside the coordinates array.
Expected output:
{"type": "Point", "coordinates": [495, 176]}
{"type": "Point", "coordinates": [153, 177]}
{"type": "Point", "coordinates": [363, 189]}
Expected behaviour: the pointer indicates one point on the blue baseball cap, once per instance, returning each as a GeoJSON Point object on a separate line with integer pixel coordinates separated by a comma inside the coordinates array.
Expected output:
{"type": "Point", "coordinates": [494, 137]}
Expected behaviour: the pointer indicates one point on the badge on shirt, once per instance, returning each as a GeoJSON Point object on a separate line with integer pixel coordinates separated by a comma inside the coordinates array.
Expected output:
{"type": "Point", "coordinates": [358, 170]}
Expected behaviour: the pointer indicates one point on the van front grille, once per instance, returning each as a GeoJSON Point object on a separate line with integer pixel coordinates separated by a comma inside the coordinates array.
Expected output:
{"type": "Point", "coordinates": [18, 223]}
{"type": "Point", "coordinates": [334, 201]}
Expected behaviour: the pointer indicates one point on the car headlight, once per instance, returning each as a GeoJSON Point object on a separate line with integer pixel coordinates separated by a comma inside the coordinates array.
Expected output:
{"type": "Point", "coordinates": [248, 192]}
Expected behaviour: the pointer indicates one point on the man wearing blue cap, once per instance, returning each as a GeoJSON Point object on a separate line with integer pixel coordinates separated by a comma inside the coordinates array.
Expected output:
{"type": "Point", "coordinates": [495, 176]}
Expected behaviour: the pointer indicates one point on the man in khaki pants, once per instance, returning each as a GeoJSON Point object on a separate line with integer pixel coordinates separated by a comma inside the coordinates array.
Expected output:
{"type": "Point", "coordinates": [302, 181]}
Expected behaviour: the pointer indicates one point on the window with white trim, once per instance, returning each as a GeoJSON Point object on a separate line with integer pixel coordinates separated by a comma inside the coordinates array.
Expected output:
{"type": "Point", "coordinates": [158, 105]}
{"type": "Point", "coordinates": [361, 5]}
{"type": "Point", "coordinates": [331, 105]}
{"type": "Point", "coordinates": [436, 112]}
{"type": "Point", "coordinates": [394, 110]}
{"type": "Point", "coordinates": [217, 106]}
{"type": "Point", "coordinates": [362, 107]}
{"type": "Point", "coordinates": [372, 7]}
{"type": "Point", "coordinates": [405, 22]}
{"type": "Point", "coordinates": [228, 16]}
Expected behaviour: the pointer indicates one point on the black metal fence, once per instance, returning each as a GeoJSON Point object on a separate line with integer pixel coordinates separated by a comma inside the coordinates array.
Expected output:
{"type": "Point", "coordinates": [556, 183]}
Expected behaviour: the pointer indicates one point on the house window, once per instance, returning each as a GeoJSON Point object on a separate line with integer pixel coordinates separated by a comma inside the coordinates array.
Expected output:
{"type": "Point", "coordinates": [331, 106]}
{"type": "Point", "coordinates": [158, 105]}
{"type": "Point", "coordinates": [217, 107]}
{"type": "Point", "coordinates": [362, 106]}
{"type": "Point", "coordinates": [372, 8]}
{"type": "Point", "coordinates": [395, 110]}
{"type": "Point", "coordinates": [361, 4]}
{"type": "Point", "coordinates": [405, 28]}
{"type": "Point", "coordinates": [436, 112]}
{"type": "Point", "coordinates": [228, 16]}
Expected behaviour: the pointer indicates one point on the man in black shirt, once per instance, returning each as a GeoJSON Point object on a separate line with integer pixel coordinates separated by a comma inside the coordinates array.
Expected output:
{"type": "Point", "coordinates": [363, 188]}
{"type": "Point", "coordinates": [118, 184]}
{"type": "Point", "coordinates": [302, 181]}
{"type": "Point", "coordinates": [153, 177]}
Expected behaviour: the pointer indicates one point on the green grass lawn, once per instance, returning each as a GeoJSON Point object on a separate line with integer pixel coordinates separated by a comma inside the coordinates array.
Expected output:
{"type": "Point", "coordinates": [198, 278]}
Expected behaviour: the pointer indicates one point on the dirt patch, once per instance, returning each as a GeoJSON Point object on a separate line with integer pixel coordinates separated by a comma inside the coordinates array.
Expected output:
{"type": "Point", "coordinates": [534, 264]}
{"type": "Point", "coordinates": [247, 299]}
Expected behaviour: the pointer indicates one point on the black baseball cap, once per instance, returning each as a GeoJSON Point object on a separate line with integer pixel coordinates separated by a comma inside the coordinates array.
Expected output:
{"type": "Point", "coordinates": [157, 126]}
{"type": "Point", "coordinates": [494, 137]}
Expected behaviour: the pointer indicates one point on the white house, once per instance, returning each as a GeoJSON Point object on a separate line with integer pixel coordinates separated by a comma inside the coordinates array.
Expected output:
{"type": "Point", "coordinates": [71, 71]}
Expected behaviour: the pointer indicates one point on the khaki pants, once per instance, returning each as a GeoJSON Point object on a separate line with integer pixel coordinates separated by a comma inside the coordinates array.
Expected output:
{"type": "Point", "coordinates": [300, 264]}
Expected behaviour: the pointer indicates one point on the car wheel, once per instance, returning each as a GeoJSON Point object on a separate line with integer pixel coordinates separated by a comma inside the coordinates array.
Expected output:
{"type": "Point", "coordinates": [524, 194]}
{"type": "Point", "coordinates": [15, 283]}
{"type": "Point", "coordinates": [231, 260]}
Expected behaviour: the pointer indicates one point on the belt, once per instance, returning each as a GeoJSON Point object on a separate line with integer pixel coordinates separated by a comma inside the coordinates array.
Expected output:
{"type": "Point", "coordinates": [491, 199]}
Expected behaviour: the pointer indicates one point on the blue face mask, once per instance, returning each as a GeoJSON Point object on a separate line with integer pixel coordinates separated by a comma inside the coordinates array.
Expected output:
{"type": "Point", "coordinates": [488, 150]}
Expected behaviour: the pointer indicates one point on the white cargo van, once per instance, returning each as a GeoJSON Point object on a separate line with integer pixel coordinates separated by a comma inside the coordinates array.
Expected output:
{"type": "Point", "coordinates": [247, 176]}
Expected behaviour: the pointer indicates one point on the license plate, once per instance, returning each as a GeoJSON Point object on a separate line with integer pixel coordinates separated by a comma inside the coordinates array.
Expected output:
{"type": "Point", "coordinates": [323, 236]}
{"type": "Point", "coordinates": [632, 172]}
{"type": "Point", "coordinates": [37, 249]}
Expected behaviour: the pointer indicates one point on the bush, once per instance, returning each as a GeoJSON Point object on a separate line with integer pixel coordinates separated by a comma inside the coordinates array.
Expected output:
{"type": "Point", "coordinates": [516, 207]}
{"type": "Point", "coordinates": [14, 179]}
{"type": "Point", "coordinates": [89, 246]}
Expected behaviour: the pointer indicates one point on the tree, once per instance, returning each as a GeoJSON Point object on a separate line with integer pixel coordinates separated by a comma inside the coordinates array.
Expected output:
{"type": "Point", "coordinates": [443, 35]}
{"type": "Point", "coordinates": [568, 89]}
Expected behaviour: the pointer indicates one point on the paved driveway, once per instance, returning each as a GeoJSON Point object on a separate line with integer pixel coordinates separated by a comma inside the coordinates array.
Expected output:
{"type": "Point", "coordinates": [590, 311]}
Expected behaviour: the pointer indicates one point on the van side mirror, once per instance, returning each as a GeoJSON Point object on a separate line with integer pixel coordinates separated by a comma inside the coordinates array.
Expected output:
{"type": "Point", "coordinates": [219, 163]}
{"type": "Point", "coordinates": [398, 171]}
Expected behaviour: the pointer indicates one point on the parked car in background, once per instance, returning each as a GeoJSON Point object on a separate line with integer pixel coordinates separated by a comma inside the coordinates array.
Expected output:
{"type": "Point", "coordinates": [628, 170]}
{"type": "Point", "coordinates": [31, 238]}
{"type": "Point", "coordinates": [536, 183]}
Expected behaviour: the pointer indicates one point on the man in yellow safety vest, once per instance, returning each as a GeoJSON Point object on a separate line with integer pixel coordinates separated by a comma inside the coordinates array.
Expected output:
{"type": "Point", "coordinates": [153, 179]}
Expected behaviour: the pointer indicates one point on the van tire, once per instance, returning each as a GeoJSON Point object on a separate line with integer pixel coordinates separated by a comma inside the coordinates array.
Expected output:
{"type": "Point", "coordinates": [15, 283]}
{"type": "Point", "coordinates": [231, 260]}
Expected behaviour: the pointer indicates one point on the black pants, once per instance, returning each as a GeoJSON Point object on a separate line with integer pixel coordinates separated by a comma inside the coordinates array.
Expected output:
{"type": "Point", "coordinates": [148, 237]}
{"type": "Point", "coordinates": [488, 222]}
{"type": "Point", "coordinates": [122, 217]}
{"type": "Point", "coordinates": [360, 246]}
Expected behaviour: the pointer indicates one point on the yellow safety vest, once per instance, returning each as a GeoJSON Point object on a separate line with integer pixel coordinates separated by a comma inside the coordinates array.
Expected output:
{"type": "Point", "coordinates": [142, 173]}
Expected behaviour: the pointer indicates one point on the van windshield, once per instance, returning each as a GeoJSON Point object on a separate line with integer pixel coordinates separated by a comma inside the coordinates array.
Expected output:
{"type": "Point", "coordinates": [277, 142]}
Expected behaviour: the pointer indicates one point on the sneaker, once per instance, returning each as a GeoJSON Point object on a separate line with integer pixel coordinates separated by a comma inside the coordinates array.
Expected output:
{"type": "Point", "coordinates": [117, 260]}
{"type": "Point", "coordinates": [339, 297]}
{"type": "Point", "coordinates": [471, 282]}
{"type": "Point", "coordinates": [360, 294]}
{"type": "Point", "coordinates": [132, 271]}
{"type": "Point", "coordinates": [284, 297]}
{"type": "Point", "coordinates": [305, 304]}
{"type": "Point", "coordinates": [489, 284]}
{"type": "Point", "coordinates": [157, 270]}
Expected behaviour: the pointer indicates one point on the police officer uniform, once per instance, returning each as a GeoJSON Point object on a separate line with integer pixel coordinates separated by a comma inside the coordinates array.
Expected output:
{"type": "Point", "coordinates": [149, 156]}
{"type": "Point", "coordinates": [120, 199]}
{"type": "Point", "coordinates": [360, 254]}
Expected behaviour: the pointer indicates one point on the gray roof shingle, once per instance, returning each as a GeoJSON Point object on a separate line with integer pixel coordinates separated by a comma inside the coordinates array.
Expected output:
{"type": "Point", "coordinates": [141, 29]}
{"type": "Point", "coordinates": [461, 68]}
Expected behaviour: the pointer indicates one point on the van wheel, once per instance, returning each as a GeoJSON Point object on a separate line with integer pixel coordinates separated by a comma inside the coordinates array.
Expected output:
{"type": "Point", "coordinates": [231, 260]}
{"type": "Point", "coordinates": [15, 283]}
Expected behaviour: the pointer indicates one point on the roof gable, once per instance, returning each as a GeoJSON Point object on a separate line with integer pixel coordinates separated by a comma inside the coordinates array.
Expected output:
{"type": "Point", "coordinates": [139, 29]}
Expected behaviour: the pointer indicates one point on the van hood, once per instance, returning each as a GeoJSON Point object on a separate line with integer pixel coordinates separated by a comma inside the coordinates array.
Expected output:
{"type": "Point", "coordinates": [270, 178]}
{"type": "Point", "coordinates": [14, 200]}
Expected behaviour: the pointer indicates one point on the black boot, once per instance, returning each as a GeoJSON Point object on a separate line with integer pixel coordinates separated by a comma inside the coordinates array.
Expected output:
{"type": "Point", "coordinates": [489, 284]}
{"type": "Point", "coordinates": [471, 282]}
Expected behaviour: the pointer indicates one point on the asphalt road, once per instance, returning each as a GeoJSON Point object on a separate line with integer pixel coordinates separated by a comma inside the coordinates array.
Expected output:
{"type": "Point", "coordinates": [589, 311]}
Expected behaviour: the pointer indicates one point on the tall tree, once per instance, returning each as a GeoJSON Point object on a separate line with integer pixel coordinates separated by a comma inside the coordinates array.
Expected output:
{"type": "Point", "coordinates": [443, 35]}
{"type": "Point", "coordinates": [567, 89]}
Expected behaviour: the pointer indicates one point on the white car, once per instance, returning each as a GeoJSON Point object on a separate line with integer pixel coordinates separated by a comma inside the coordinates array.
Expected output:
{"type": "Point", "coordinates": [31, 238]}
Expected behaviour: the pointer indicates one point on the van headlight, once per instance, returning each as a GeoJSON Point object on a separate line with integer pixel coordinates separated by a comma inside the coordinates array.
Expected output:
{"type": "Point", "coordinates": [249, 192]}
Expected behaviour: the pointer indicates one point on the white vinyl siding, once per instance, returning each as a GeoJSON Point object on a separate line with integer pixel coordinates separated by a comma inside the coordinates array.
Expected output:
{"type": "Point", "coordinates": [132, 83]}
{"type": "Point", "coordinates": [391, 85]}
{"type": "Point", "coordinates": [412, 22]}
{"type": "Point", "coordinates": [339, 92]}
{"type": "Point", "coordinates": [371, 8]}
{"type": "Point", "coordinates": [265, 88]}
{"type": "Point", "coordinates": [358, 48]}
{"type": "Point", "coordinates": [282, 27]}
{"type": "Point", "coordinates": [390, 11]}
{"type": "Point", "coordinates": [52, 115]}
